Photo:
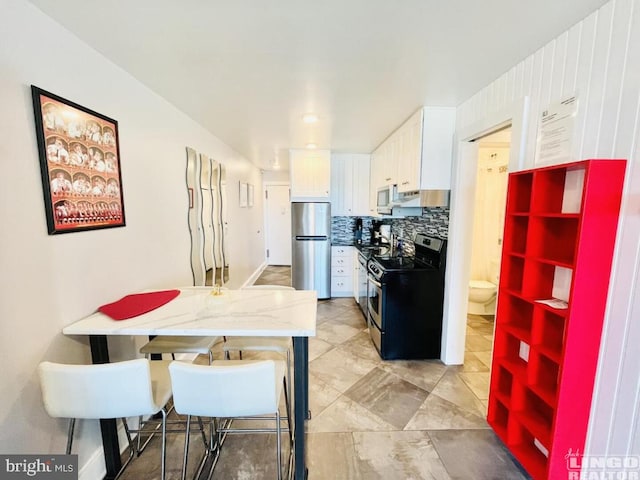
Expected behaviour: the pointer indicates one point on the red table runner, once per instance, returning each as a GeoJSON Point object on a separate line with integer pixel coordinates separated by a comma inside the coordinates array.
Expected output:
{"type": "Point", "coordinates": [137, 304]}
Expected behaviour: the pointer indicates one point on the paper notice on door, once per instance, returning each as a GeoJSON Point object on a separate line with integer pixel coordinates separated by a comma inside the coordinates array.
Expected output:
{"type": "Point", "coordinates": [555, 303]}
{"type": "Point", "coordinates": [555, 132]}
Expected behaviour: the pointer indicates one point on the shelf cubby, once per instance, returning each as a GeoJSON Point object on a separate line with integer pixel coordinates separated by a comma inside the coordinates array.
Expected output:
{"type": "Point", "coordinates": [537, 279]}
{"type": "Point", "coordinates": [560, 228]}
{"type": "Point", "coordinates": [553, 239]}
{"type": "Point", "coordinates": [548, 332]}
{"type": "Point", "coordinates": [519, 192]}
{"type": "Point", "coordinates": [544, 376]}
{"type": "Point", "coordinates": [515, 236]}
{"type": "Point", "coordinates": [511, 274]}
{"type": "Point", "coordinates": [529, 451]}
{"type": "Point", "coordinates": [548, 190]}
{"type": "Point", "coordinates": [499, 417]}
{"type": "Point", "coordinates": [517, 316]}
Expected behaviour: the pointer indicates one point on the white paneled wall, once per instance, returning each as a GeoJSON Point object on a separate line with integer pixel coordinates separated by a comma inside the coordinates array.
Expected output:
{"type": "Point", "coordinates": [598, 59]}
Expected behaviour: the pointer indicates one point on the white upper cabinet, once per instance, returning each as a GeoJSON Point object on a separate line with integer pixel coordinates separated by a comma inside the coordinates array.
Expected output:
{"type": "Point", "coordinates": [438, 127]}
{"type": "Point", "coordinates": [309, 173]}
{"type": "Point", "coordinates": [350, 184]}
{"type": "Point", "coordinates": [418, 155]}
{"type": "Point", "coordinates": [410, 153]}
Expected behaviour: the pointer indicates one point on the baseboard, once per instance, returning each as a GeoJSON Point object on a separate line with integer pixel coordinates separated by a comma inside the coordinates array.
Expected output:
{"type": "Point", "coordinates": [255, 275]}
{"type": "Point", "coordinates": [94, 469]}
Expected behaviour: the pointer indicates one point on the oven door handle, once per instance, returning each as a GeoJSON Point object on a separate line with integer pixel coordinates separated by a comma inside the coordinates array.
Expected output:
{"type": "Point", "coordinates": [377, 284]}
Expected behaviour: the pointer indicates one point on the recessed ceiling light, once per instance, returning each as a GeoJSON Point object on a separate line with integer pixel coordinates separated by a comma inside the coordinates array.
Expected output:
{"type": "Point", "coordinates": [311, 146]}
{"type": "Point", "coordinates": [310, 118]}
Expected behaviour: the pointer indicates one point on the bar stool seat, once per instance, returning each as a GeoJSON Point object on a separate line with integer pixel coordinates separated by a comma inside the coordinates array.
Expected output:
{"type": "Point", "coordinates": [231, 389]}
{"type": "Point", "coordinates": [110, 390]}
{"type": "Point", "coordinates": [180, 344]}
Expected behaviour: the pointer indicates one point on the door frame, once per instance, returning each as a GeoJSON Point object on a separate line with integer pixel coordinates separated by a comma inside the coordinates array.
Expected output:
{"type": "Point", "coordinates": [464, 177]}
{"type": "Point", "coordinates": [265, 184]}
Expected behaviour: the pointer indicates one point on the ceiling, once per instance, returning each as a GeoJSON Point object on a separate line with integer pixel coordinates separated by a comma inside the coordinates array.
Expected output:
{"type": "Point", "coordinates": [248, 70]}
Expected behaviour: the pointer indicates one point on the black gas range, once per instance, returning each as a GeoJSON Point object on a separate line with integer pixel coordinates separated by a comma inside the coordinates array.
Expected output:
{"type": "Point", "coordinates": [405, 295]}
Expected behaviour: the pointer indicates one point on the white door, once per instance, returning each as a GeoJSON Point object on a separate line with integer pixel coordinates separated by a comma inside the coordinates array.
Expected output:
{"type": "Point", "coordinates": [278, 225]}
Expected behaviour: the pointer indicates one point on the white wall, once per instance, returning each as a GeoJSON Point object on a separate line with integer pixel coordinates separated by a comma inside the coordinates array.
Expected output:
{"type": "Point", "coordinates": [47, 281]}
{"type": "Point", "coordinates": [599, 60]}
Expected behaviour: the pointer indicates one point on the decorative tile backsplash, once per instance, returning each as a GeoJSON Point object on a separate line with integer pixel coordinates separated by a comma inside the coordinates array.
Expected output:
{"type": "Point", "coordinates": [434, 221]}
{"type": "Point", "coordinates": [343, 230]}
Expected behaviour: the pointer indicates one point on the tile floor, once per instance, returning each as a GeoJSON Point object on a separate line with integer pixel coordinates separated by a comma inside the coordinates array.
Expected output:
{"type": "Point", "coordinates": [372, 419]}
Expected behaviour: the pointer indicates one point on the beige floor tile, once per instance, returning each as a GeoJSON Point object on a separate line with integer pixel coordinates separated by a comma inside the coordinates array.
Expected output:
{"type": "Point", "coordinates": [340, 369]}
{"type": "Point", "coordinates": [453, 389]}
{"type": "Point", "coordinates": [332, 456]}
{"type": "Point", "coordinates": [473, 363]}
{"type": "Point", "coordinates": [345, 415]}
{"type": "Point", "coordinates": [422, 373]}
{"type": "Point", "coordinates": [484, 357]}
{"type": "Point", "coordinates": [397, 455]}
{"type": "Point", "coordinates": [478, 343]}
{"type": "Point", "coordinates": [321, 395]}
{"type": "Point", "coordinates": [436, 413]}
{"type": "Point", "coordinates": [478, 382]}
{"type": "Point", "coordinates": [335, 332]}
{"type": "Point", "coordinates": [388, 396]}
{"type": "Point", "coordinates": [317, 347]}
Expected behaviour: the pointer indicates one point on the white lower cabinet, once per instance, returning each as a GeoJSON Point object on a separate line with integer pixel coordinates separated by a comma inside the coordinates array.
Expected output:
{"type": "Point", "coordinates": [342, 271]}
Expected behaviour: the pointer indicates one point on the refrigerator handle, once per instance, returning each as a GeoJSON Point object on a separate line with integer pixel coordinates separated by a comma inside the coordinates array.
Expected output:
{"type": "Point", "coordinates": [311, 239]}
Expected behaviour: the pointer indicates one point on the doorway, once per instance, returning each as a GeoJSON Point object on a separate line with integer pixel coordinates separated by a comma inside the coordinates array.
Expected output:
{"type": "Point", "coordinates": [486, 250]}
{"type": "Point", "coordinates": [278, 224]}
{"type": "Point", "coordinates": [488, 221]}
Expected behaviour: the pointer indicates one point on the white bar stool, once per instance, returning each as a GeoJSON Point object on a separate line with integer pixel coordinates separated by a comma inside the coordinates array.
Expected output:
{"type": "Point", "coordinates": [231, 389]}
{"type": "Point", "coordinates": [110, 390]}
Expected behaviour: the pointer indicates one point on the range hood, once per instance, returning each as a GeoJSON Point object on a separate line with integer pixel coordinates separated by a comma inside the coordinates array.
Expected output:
{"type": "Point", "coordinates": [423, 198]}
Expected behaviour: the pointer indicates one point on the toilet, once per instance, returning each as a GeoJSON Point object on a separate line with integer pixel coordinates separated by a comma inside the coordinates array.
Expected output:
{"type": "Point", "coordinates": [482, 297]}
{"type": "Point", "coordinates": [483, 294]}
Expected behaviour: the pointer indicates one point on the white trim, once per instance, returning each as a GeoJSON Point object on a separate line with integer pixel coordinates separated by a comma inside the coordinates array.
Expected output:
{"type": "Point", "coordinates": [95, 469]}
{"type": "Point", "coordinates": [255, 275]}
{"type": "Point", "coordinates": [461, 218]}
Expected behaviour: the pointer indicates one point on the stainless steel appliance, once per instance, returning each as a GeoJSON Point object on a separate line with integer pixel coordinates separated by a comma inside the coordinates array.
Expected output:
{"type": "Point", "coordinates": [385, 199]}
{"type": "Point", "coordinates": [311, 247]}
{"type": "Point", "coordinates": [365, 253]}
{"type": "Point", "coordinates": [405, 301]}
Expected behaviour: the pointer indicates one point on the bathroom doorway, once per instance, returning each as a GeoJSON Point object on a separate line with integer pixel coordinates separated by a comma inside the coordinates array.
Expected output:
{"type": "Point", "coordinates": [486, 250]}
{"type": "Point", "coordinates": [488, 221]}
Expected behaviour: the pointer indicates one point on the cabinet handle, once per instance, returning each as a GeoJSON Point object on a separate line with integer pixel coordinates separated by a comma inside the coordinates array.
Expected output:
{"type": "Point", "coordinates": [387, 179]}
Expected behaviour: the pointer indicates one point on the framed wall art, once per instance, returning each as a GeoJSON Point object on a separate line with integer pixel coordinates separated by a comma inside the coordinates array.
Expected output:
{"type": "Point", "coordinates": [79, 164]}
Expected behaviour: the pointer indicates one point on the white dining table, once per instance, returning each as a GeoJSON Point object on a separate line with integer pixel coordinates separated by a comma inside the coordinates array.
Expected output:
{"type": "Point", "coordinates": [196, 312]}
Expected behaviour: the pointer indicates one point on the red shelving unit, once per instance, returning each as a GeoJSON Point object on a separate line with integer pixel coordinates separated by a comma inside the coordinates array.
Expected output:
{"type": "Point", "coordinates": [559, 235]}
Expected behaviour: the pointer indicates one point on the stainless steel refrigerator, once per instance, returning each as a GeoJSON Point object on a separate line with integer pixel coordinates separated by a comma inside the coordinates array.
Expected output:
{"type": "Point", "coordinates": [311, 247]}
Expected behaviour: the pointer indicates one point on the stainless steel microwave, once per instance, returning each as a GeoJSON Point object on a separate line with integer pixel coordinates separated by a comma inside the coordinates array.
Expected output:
{"type": "Point", "coordinates": [386, 198]}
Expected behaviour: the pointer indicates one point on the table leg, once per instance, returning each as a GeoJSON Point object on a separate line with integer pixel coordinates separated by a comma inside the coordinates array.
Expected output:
{"type": "Point", "coordinates": [108, 427]}
{"type": "Point", "coordinates": [301, 403]}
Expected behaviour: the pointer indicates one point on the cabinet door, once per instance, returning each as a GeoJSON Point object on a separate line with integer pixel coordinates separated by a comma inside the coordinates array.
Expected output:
{"type": "Point", "coordinates": [310, 175]}
{"type": "Point", "coordinates": [437, 148]}
{"type": "Point", "coordinates": [339, 184]}
{"type": "Point", "coordinates": [390, 164]}
{"type": "Point", "coordinates": [375, 174]}
{"type": "Point", "coordinates": [360, 184]}
{"type": "Point", "coordinates": [411, 149]}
